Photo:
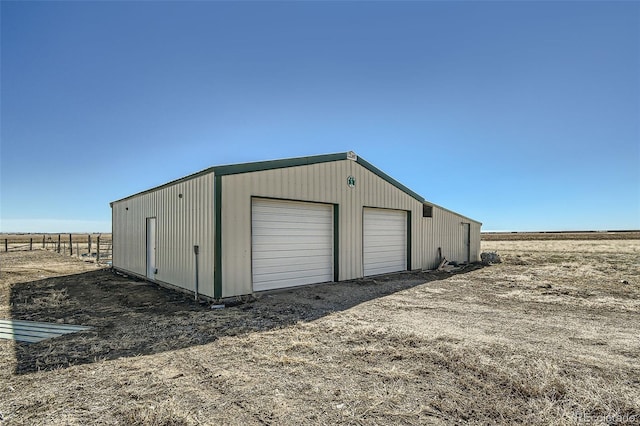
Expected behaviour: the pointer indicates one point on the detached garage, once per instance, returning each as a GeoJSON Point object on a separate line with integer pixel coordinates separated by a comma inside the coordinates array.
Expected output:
{"type": "Point", "coordinates": [238, 229]}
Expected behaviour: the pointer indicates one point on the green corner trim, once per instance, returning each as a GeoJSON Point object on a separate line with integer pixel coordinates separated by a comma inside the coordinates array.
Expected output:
{"type": "Point", "coordinates": [217, 263]}
{"type": "Point", "coordinates": [408, 240]}
{"type": "Point", "coordinates": [336, 242]}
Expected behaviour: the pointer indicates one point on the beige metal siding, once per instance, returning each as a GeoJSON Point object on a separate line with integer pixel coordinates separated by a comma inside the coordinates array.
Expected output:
{"type": "Point", "coordinates": [445, 230]}
{"type": "Point", "coordinates": [181, 223]}
{"type": "Point", "coordinates": [324, 182]}
{"type": "Point", "coordinates": [475, 241]}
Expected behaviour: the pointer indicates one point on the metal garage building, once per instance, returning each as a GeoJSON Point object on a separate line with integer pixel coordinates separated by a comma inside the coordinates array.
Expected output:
{"type": "Point", "coordinates": [275, 224]}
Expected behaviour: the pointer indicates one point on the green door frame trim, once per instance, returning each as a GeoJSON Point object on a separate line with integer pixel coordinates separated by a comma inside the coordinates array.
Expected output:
{"type": "Point", "coordinates": [336, 242]}
{"type": "Point", "coordinates": [408, 240]}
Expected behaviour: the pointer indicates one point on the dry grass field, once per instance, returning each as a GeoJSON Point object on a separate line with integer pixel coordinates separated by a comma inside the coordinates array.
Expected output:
{"type": "Point", "coordinates": [585, 235]}
{"type": "Point", "coordinates": [549, 336]}
{"type": "Point", "coordinates": [15, 239]}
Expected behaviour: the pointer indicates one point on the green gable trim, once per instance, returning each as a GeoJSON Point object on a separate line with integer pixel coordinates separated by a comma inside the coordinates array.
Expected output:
{"type": "Point", "coordinates": [234, 169]}
{"type": "Point", "coordinates": [217, 263]}
{"type": "Point", "coordinates": [166, 185]}
{"type": "Point", "coordinates": [259, 166]}
{"type": "Point", "coordinates": [389, 179]}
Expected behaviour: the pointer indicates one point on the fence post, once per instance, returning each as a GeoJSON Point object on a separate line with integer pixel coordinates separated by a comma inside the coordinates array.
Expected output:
{"type": "Point", "coordinates": [98, 250]}
{"type": "Point", "coordinates": [89, 245]}
{"type": "Point", "coordinates": [30, 244]}
{"type": "Point", "coordinates": [43, 241]}
{"type": "Point", "coordinates": [6, 245]}
{"type": "Point", "coordinates": [58, 243]}
{"type": "Point", "coordinates": [70, 246]}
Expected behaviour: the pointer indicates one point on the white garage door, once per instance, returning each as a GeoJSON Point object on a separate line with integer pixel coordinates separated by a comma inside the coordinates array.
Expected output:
{"type": "Point", "coordinates": [385, 241]}
{"type": "Point", "coordinates": [292, 243]}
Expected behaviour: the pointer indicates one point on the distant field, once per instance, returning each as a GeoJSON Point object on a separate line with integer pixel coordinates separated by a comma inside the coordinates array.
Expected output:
{"type": "Point", "coordinates": [24, 238]}
{"type": "Point", "coordinates": [548, 337]}
{"type": "Point", "coordinates": [485, 236]}
{"type": "Point", "coordinates": [585, 235]}
{"type": "Point", "coordinates": [79, 248]}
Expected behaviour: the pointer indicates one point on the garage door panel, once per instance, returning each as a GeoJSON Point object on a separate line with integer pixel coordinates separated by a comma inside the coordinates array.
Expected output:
{"type": "Point", "coordinates": [384, 241]}
{"type": "Point", "coordinates": [289, 279]}
{"type": "Point", "coordinates": [293, 223]}
{"type": "Point", "coordinates": [310, 208]}
{"type": "Point", "coordinates": [284, 283]}
{"type": "Point", "coordinates": [273, 273]}
{"type": "Point", "coordinates": [291, 269]}
{"type": "Point", "coordinates": [388, 263]}
{"type": "Point", "coordinates": [265, 251]}
{"type": "Point", "coordinates": [388, 222]}
{"type": "Point", "coordinates": [292, 243]}
{"type": "Point", "coordinates": [290, 252]}
{"type": "Point", "coordinates": [302, 216]}
{"type": "Point", "coordinates": [292, 233]}
{"type": "Point", "coordinates": [277, 242]}
{"type": "Point", "coordinates": [385, 256]}
{"type": "Point", "coordinates": [384, 248]}
{"type": "Point", "coordinates": [271, 261]}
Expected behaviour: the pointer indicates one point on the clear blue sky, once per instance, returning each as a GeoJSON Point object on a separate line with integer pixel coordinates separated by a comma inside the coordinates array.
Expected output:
{"type": "Point", "coordinates": [523, 115]}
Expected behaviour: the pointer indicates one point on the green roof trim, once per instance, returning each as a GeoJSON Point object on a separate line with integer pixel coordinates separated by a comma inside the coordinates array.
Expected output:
{"type": "Point", "coordinates": [452, 212]}
{"type": "Point", "coordinates": [260, 166]}
{"type": "Point", "coordinates": [165, 185]}
{"type": "Point", "coordinates": [389, 179]}
{"type": "Point", "coordinates": [234, 169]}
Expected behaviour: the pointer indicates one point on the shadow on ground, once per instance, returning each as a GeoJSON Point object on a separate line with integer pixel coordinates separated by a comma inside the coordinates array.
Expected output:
{"type": "Point", "coordinates": [132, 317]}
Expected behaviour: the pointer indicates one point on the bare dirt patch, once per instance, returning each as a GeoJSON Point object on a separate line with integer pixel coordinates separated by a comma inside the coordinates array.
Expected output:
{"type": "Point", "coordinates": [550, 336]}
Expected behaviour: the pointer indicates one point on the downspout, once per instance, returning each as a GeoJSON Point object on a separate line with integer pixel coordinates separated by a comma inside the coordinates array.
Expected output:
{"type": "Point", "coordinates": [196, 250]}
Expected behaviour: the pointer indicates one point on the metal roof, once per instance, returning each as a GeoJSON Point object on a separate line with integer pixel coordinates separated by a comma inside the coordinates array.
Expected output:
{"type": "Point", "coordinates": [232, 169]}
{"type": "Point", "coordinates": [33, 331]}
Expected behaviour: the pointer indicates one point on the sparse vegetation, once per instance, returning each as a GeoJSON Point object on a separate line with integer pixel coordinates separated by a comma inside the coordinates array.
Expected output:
{"type": "Point", "coordinates": [549, 336]}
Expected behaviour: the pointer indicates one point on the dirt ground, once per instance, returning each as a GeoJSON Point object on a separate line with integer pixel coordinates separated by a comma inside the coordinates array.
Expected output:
{"type": "Point", "coordinates": [549, 336]}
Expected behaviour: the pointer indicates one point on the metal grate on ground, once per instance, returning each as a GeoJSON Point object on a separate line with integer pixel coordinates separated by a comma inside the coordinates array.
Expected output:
{"type": "Point", "coordinates": [33, 331]}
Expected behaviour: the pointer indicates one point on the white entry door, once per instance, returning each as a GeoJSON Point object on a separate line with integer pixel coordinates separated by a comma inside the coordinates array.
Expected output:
{"type": "Point", "coordinates": [151, 248]}
{"type": "Point", "coordinates": [291, 243]}
{"type": "Point", "coordinates": [384, 241]}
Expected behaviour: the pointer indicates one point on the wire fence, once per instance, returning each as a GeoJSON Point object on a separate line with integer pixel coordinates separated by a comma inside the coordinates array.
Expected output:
{"type": "Point", "coordinates": [83, 246]}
